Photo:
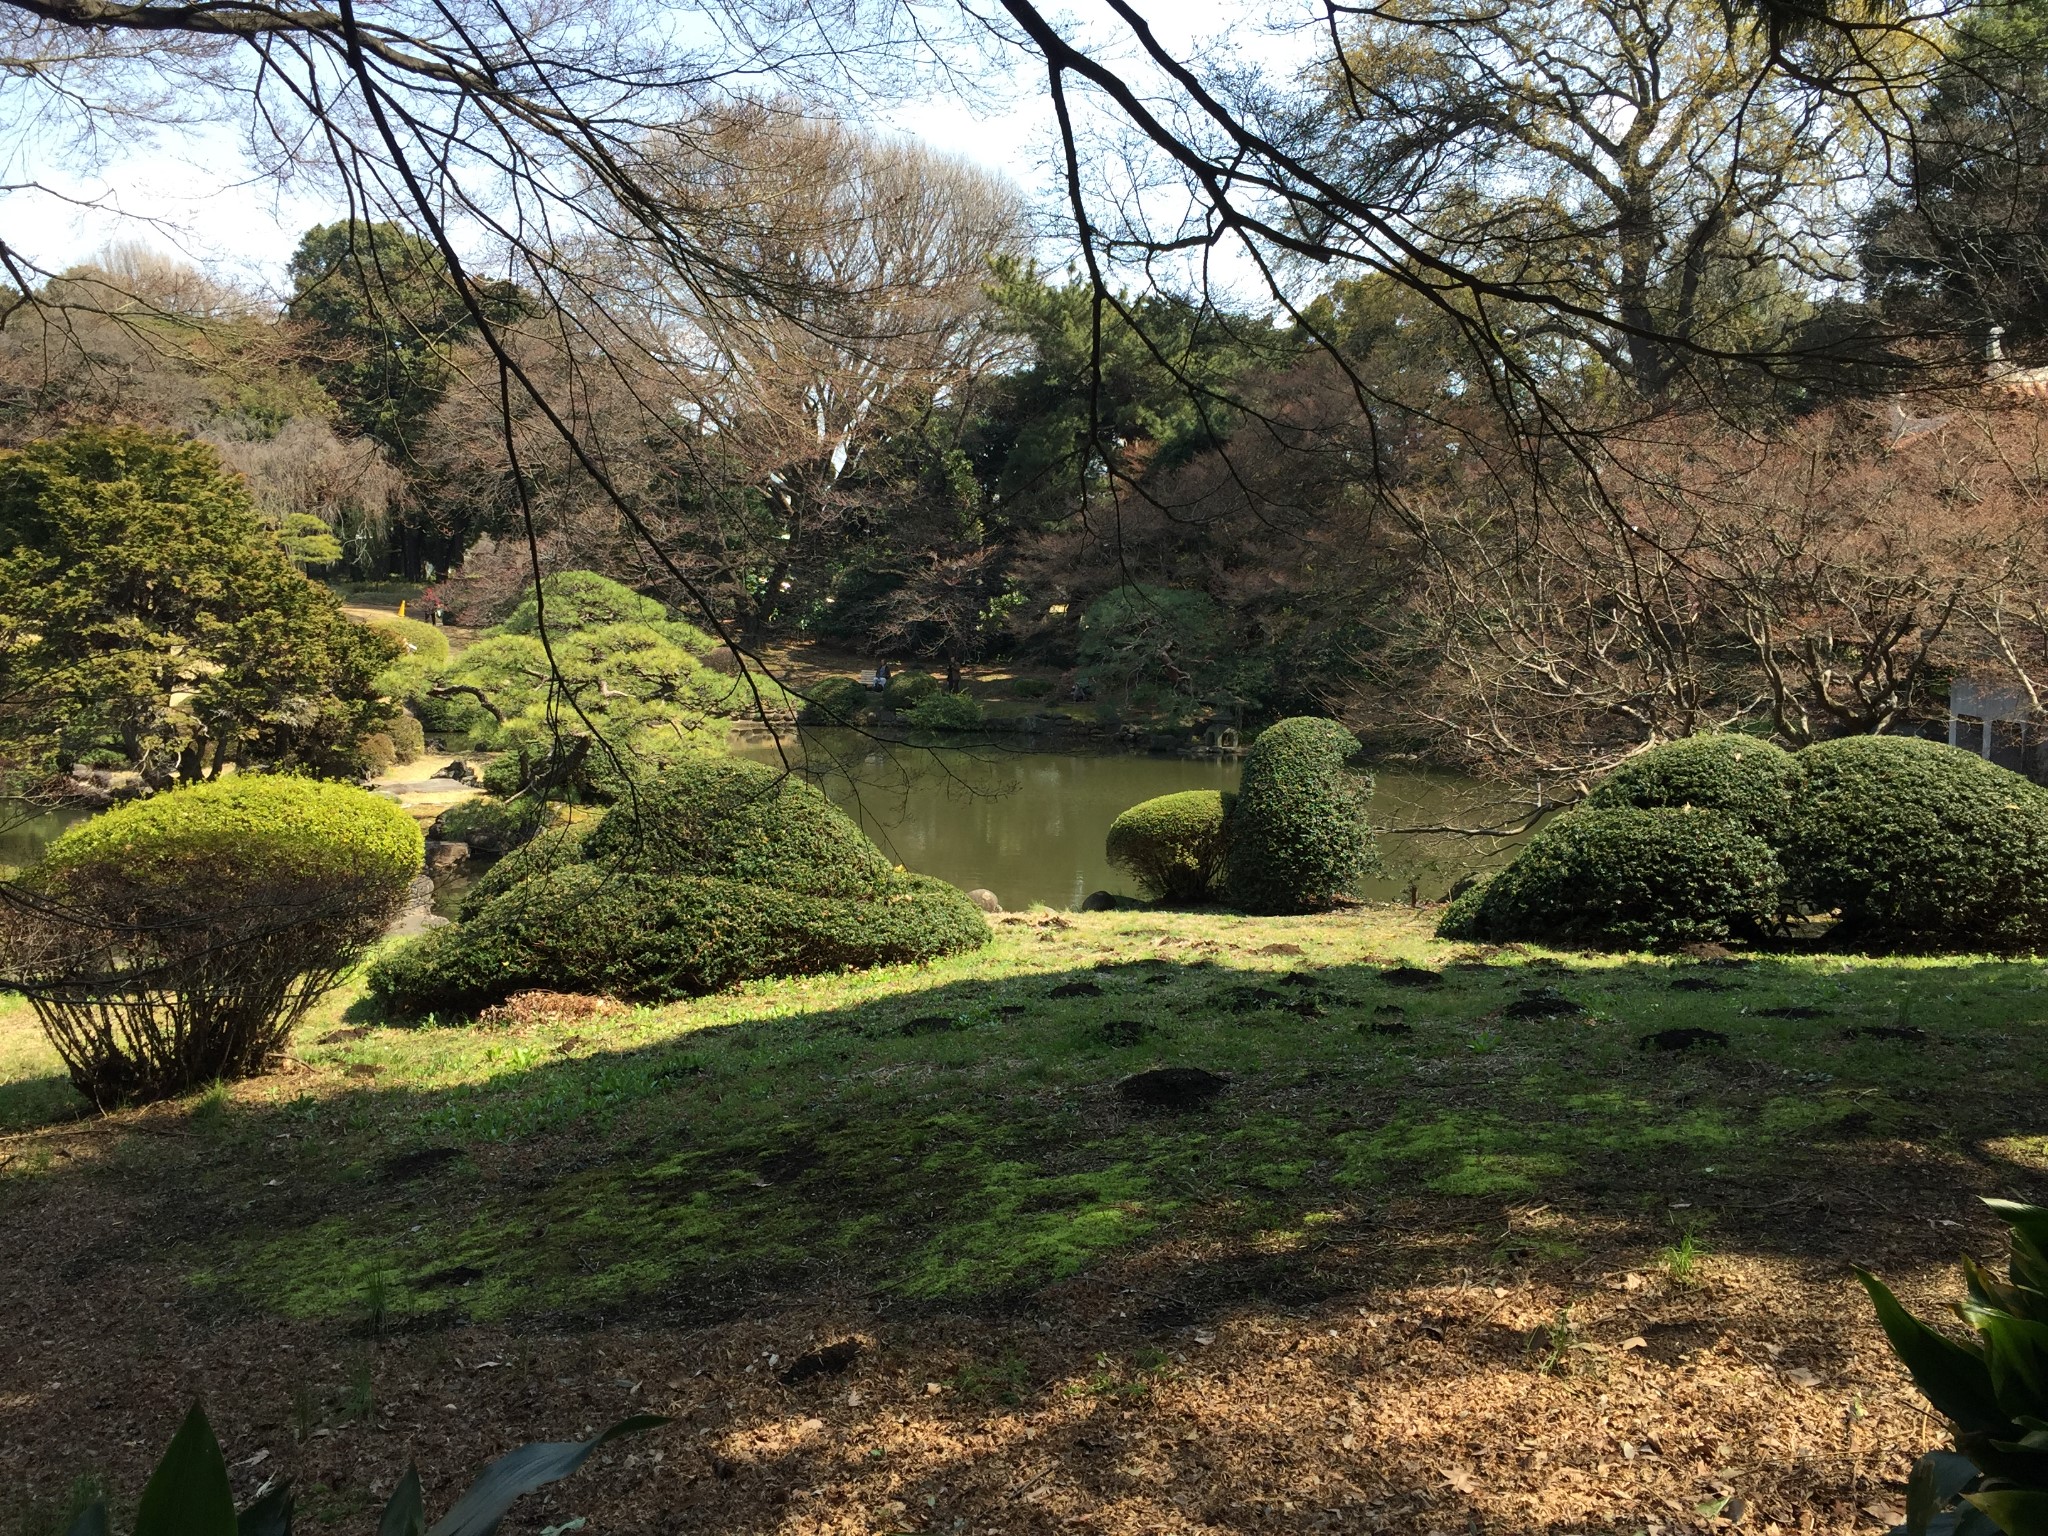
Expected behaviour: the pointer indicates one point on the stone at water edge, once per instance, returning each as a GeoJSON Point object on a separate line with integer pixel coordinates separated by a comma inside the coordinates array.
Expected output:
{"type": "Point", "coordinates": [458, 770]}
{"type": "Point", "coordinates": [446, 855]}
{"type": "Point", "coordinates": [985, 899]}
{"type": "Point", "coordinates": [1098, 901]}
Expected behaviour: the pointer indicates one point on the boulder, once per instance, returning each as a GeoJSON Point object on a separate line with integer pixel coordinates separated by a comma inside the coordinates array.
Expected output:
{"type": "Point", "coordinates": [1098, 901]}
{"type": "Point", "coordinates": [444, 856]}
{"type": "Point", "coordinates": [985, 899]}
{"type": "Point", "coordinates": [459, 771]}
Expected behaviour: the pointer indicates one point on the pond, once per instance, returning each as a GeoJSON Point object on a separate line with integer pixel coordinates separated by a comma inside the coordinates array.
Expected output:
{"type": "Point", "coordinates": [1030, 825]}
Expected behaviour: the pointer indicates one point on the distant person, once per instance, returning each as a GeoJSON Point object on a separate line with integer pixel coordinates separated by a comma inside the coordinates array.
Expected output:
{"type": "Point", "coordinates": [882, 678]}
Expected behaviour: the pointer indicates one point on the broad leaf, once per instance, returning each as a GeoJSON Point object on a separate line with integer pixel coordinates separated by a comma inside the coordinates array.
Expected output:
{"type": "Point", "coordinates": [1954, 1379]}
{"type": "Point", "coordinates": [1938, 1478]}
{"type": "Point", "coordinates": [2029, 1223]}
{"type": "Point", "coordinates": [91, 1521]}
{"type": "Point", "coordinates": [406, 1514]}
{"type": "Point", "coordinates": [2017, 1352]}
{"type": "Point", "coordinates": [2015, 1511]}
{"type": "Point", "coordinates": [520, 1472]}
{"type": "Point", "coordinates": [270, 1515]}
{"type": "Point", "coordinates": [188, 1494]}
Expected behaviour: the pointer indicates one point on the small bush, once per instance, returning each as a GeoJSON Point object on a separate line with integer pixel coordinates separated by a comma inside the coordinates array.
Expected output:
{"type": "Point", "coordinates": [1173, 846]}
{"type": "Point", "coordinates": [1627, 878]}
{"type": "Point", "coordinates": [175, 941]}
{"type": "Point", "coordinates": [423, 642]}
{"type": "Point", "coordinates": [838, 701]}
{"type": "Point", "coordinates": [1919, 846]}
{"type": "Point", "coordinates": [491, 826]}
{"type": "Point", "coordinates": [579, 600]}
{"type": "Point", "coordinates": [716, 872]}
{"type": "Point", "coordinates": [1740, 776]}
{"type": "Point", "coordinates": [1298, 836]}
{"type": "Point", "coordinates": [408, 739]}
{"type": "Point", "coordinates": [906, 690]}
{"type": "Point", "coordinates": [946, 712]}
{"type": "Point", "coordinates": [379, 754]}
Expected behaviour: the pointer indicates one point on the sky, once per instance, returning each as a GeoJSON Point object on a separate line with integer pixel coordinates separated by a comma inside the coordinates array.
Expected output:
{"type": "Point", "coordinates": [191, 193]}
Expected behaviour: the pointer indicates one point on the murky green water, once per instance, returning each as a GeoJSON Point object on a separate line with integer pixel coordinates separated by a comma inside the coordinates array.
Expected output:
{"type": "Point", "coordinates": [1030, 825]}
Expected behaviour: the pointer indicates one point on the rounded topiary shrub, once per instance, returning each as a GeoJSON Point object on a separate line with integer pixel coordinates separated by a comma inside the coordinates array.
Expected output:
{"type": "Point", "coordinates": [1628, 879]}
{"type": "Point", "coordinates": [1919, 846]}
{"type": "Point", "coordinates": [1740, 776]}
{"type": "Point", "coordinates": [716, 872]}
{"type": "Point", "coordinates": [1299, 841]}
{"type": "Point", "coordinates": [175, 941]}
{"type": "Point", "coordinates": [946, 712]}
{"type": "Point", "coordinates": [838, 701]}
{"type": "Point", "coordinates": [1173, 846]}
{"type": "Point", "coordinates": [907, 690]}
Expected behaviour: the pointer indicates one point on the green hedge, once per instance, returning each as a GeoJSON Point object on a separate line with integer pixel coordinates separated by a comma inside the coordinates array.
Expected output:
{"type": "Point", "coordinates": [1740, 776]}
{"type": "Point", "coordinates": [1627, 878]}
{"type": "Point", "coordinates": [908, 689]}
{"type": "Point", "coordinates": [425, 644]}
{"type": "Point", "coordinates": [650, 938]}
{"type": "Point", "coordinates": [838, 701]}
{"type": "Point", "coordinates": [1919, 846]}
{"type": "Point", "coordinates": [718, 871]}
{"type": "Point", "coordinates": [1299, 841]}
{"type": "Point", "coordinates": [206, 842]}
{"type": "Point", "coordinates": [946, 712]}
{"type": "Point", "coordinates": [737, 820]}
{"type": "Point", "coordinates": [1174, 845]}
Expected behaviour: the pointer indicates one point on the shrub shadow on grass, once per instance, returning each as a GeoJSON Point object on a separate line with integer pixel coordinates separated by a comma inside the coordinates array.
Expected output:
{"type": "Point", "coordinates": [649, 1165]}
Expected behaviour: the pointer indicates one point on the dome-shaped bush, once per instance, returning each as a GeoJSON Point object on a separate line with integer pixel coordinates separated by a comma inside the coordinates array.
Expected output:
{"type": "Point", "coordinates": [907, 690]}
{"type": "Point", "coordinates": [1174, 845]}
{"type": "Point", "coordinates": [1626, 878]}
{"type": "Point", "coordinates": [716, 872]}
{"type": "Point", "coordinates": [1740, 776]}
{"type": "Point", "coordinates": [946, 712]}
{"type": "Point", "coordinates": [1919, 846]}
{"type": "Point", "coordinates": [177, 940]}
{"type": "Point", "coordinates": [838, 701]}
{"type": "Point", "coordinates": [1298, 836]}
{"type": "Point", "coordinates": [735, 820]}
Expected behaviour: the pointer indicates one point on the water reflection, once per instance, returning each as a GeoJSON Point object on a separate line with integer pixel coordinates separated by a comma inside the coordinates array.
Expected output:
{"type": "Point", "coordinates": [1029, 825]}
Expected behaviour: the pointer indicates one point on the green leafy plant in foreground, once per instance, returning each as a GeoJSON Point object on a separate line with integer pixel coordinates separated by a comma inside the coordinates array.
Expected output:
{"type": "Point", "coordinates": [1992, 1388]}
{"type": "Point", "coordinates": [188, 1493]}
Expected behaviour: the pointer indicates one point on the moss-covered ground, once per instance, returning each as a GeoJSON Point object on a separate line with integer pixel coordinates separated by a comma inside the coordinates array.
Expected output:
{"type": "Point", "coordinates": [949, 1142]}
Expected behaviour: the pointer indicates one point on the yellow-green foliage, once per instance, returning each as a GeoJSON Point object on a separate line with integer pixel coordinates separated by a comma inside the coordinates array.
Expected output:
{"type": "Point", "coordinates": [200, 843]}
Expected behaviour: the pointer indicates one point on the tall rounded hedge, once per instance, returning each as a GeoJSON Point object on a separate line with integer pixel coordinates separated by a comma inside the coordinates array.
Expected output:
{"type": "Point", "coordinates": [907, 690]}
{"type": "Point", "coordinates": [1740, 776]}
{"type": "Point", "coordinates": [716, 872]}
{"type": "Point", "coordinates": [176, 940]}
{"type": "Point", "coordinates": [1627, 878]}
{"type": "Point", "coordinates": [1299, 841]}
{"type": "Point", "coordinates": [1174, 845]}
{"type": "Point", "coordinates": [1919, 846]}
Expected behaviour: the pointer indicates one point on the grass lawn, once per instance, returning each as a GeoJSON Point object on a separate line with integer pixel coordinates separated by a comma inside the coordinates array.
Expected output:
{"type": "Point", "coordinates": [1461, 1246]}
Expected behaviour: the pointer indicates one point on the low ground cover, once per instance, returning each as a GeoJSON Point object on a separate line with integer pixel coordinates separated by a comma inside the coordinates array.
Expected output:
{"type": "Point", "coordinates": [1535, 1239]}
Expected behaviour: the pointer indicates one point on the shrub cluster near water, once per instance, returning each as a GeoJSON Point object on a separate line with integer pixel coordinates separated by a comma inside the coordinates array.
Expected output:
{"type": "Point", "coordinates": [715, 872]}
{"type": "Point", "coordinates": [1912, 846]}
{"type": "Point", "coordinates": [1293, 839]}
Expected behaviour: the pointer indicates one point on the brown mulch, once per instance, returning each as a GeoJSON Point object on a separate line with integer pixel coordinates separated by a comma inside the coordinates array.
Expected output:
{"type": "Point", "coordinates": [1415, 1376]}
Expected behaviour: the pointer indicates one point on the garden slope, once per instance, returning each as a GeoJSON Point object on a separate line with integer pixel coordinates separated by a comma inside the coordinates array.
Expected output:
{"type": "Point", "coordinates": [1408, 1275]}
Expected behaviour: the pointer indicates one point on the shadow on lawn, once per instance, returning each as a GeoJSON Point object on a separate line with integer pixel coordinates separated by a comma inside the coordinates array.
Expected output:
{"type": "Point", "coordinates": [966, 1145]}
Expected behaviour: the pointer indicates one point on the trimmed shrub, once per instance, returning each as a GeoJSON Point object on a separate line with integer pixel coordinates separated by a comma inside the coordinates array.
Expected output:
{"type": "Point", "coordinates": [736, 820]}
{"type": "Point", "coordinates": [1919, 846]}
{"type": "Point", "coordinates": [408, 738]}
{"type": "Point", "coordinates": [175, 941]}
{"type": "Point", "coordinates": [1298, 836]}
{"type": "Point", "coordinates": [1740, 776]}
{"type": "Point", "coordinates": [1173, 846]}
{"type": "Point", "coordinates": [717, 872]}
{"type": "Point", "coordinates": [578, 600]}
{"type": "Point", "coordinates": [838, 701]}
{"type": "Point", "coordinates": [424, 643]}
{"type": "Point", "coordinates": [1629, 879]}
{"type": "Point", "coordinates": [907, 690]}
{"type": "Point", "coordinates": [1461, 919]}
{"type": "Point", "coordinates": [588, 928]}
{"type": "Point", "coordinates": [946, 712]}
